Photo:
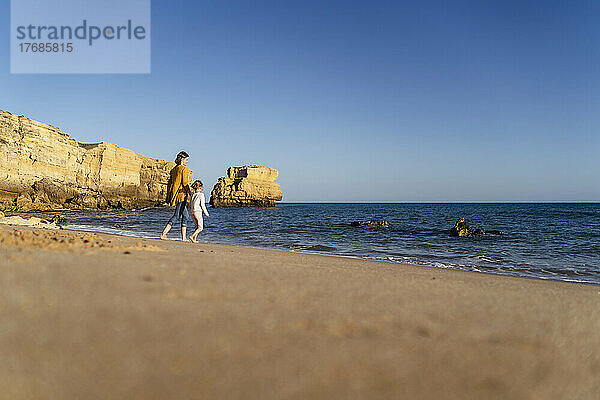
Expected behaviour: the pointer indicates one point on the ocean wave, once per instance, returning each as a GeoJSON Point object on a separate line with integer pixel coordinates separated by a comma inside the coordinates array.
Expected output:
{"type": "Point", "coordinates": [112, 231]}
{"type": "Point", "coordinates": [316, 247]}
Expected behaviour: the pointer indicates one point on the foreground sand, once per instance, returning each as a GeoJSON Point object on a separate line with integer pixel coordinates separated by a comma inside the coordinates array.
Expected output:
{"type": "Point", "coordinates": [86, 316]}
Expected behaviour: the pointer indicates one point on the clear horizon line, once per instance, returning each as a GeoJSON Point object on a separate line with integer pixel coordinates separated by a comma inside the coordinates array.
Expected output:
{"type": "Point", "coordinates": [432, 201]}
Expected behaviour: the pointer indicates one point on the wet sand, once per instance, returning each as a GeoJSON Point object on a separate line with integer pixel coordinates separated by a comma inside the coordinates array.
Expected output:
{"type": "Point", "coordinates": [91, 316]}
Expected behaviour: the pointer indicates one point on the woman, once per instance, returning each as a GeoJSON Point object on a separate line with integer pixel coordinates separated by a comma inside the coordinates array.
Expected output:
{"type": "Point", "coordinates": [178, 191]}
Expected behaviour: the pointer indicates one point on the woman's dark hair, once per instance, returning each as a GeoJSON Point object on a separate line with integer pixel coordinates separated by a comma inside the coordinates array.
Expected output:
{"type": "Point", "coordinates": [181, 156]}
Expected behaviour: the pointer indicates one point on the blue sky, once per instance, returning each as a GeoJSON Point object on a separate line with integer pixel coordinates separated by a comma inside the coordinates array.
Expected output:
{"type": "Point", "coordinates": [353, 101]}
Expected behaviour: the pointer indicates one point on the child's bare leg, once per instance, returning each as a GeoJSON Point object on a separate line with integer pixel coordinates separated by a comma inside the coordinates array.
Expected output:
{"type": "Point", "coordinates": [192, 237]}
{"type": "Point", "coordinates": [197, 231]}
{"type": "Point", "coordinates": [199, 226]}
{"type": "Point", "coordinates": [195, 234]}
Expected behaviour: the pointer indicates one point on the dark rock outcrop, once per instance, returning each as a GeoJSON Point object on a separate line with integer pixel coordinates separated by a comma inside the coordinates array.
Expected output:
{"type": "Point", "coordinates": [461, 228]}
{"type": "Point", "coordinates": [369, 222]}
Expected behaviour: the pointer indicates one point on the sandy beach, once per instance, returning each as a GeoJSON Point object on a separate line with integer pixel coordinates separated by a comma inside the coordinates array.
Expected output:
{"type": "Point", "coordinates": [94, 316]}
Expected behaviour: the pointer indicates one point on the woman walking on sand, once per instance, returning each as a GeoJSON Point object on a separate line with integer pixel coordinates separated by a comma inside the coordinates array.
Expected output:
{"type": "Point", "coordinates": [178, 192]}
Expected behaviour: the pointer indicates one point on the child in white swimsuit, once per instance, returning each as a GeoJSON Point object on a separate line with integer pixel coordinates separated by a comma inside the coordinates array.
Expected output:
{"type": "Point", "coordinates": [197, 207]}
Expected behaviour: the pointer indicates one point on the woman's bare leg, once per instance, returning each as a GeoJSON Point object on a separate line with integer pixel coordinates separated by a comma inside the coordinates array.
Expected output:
{"type": "Point", "coordinates": [163, 235]}
{"type": "Point", "coordinates": [183, 230]}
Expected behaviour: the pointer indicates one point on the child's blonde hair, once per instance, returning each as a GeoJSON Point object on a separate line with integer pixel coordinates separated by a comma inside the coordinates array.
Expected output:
{"type": "Point", "coordinates": [197, 184]}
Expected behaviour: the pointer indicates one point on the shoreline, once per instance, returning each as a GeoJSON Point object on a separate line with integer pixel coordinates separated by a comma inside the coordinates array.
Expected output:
{"type": "Point", "coordinates": [98, 316]}
{"type": "Point", "coordinates": [324, 253]}
{"type": "Point", "coordinates": [470, 268]}
{"type": "Point", "coordinates": [543, 253]}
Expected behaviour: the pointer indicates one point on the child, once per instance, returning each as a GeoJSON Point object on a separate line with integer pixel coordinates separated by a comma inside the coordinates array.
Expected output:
{"type": "Point", "coordinates": [197, 207]}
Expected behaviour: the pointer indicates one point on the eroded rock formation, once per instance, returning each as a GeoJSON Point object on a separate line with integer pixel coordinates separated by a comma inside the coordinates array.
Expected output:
{"type": "Point", "coordinates": [42, 167]}
{"type": "Point", "coordinates": [247, 186]}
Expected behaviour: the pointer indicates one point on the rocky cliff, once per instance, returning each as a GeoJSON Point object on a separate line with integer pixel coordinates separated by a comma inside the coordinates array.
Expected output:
{"type": "Point", "coordinates": [247, 186]}
{"type": "Point", "coordinates": [44, 168]}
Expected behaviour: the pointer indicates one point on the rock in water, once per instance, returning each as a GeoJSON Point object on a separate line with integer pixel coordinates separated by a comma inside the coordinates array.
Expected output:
{"type": "Point", "coordinates": [44, 168]}
{"type": "Point", "coordinates": [247, 186]}
{"type": "Point", "coordinates": [369, 222]}
{"type": "Point", "coordinates": [58, 219]}
{"type": "Point", "coordinates": [33, 222]}
{"type": "Point", "coordinates": [461, 228]}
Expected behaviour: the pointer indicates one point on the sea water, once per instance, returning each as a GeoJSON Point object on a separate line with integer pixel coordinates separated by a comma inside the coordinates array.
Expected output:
{"type": "Point", "coordinates": [545, 241]}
